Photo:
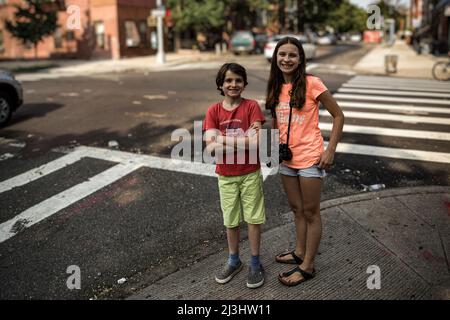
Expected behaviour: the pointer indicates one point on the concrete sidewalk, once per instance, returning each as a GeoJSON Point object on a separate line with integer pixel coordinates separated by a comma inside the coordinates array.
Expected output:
{"type": "Point", "coordinates": [405, 232]}
{"type": "Point", "coordinates": [410, 64]}
{"type": "Point", "coordinates": [88, 67]}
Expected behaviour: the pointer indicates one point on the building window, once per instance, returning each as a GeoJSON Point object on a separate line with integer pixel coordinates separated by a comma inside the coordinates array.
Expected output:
{"type": "Point", "coordinates": [99, 35]}
{"type": "Point", "coordinates": [132, 37]}
{"type": "Point", "coordinates": [70, 36]}
{"type": "Point", "coordinates": [143, 32]}
{"type": "Point", "coordinates": [58, 38]}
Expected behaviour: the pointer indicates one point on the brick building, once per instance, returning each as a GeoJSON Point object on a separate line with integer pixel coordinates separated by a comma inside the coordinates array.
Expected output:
{"type": "Point", "coordinates": [107, 29]}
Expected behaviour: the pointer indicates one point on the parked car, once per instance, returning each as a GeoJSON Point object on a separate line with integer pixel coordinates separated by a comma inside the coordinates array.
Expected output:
{"type": "Point", "coordinates": [326, 39]}
{"type": "Point", "coordinates": [355, 37]}
{"type": "Point", "coordinates": [261, 40]}
{"type": "Point", "coordinates": [243, 42]}
{"type": "Point", "coordinates": [308, 47]}
{"type": "Point", "coordinates": [11, 96]}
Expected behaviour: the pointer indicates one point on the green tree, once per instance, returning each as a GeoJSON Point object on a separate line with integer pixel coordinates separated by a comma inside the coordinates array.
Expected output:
{"type": "Point", "coordinates": [348, 17]}
{"type": "Point", "coordinates": [32, 23]}
{"type": "Point", "coordinates": [204, 15]}
{"type": "Point", "coordinates": [317, 12]}
{"type": "Point", "coordinates": [389, 10]}
{"type": "Point", "coordinates": [199, 15]}
{"type": "Point", "coordinates": [243, 13]}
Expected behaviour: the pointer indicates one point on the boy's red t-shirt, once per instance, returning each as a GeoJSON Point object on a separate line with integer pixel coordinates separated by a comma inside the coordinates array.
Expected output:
{"type": "Point", "coordinates": [234, 123]}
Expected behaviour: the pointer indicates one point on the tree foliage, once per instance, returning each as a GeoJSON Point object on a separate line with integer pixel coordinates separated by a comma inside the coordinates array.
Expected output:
{"type": "Point", "coordinates": [32, 22]}
{"type": "Point", "coordinates": [199, 15]}
{"type": "Point", "coordinates": [389, 10]}
{"type": "Point", "coordinates": [203, 15]}
{"type": "Point", "coordinates": [348, 17]}
{"type": "Point", "coordinates": [318, 12]}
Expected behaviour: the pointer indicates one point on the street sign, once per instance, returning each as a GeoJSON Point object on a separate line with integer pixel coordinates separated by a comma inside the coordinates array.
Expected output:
{"type": "Point", "coordinates": [159, 12]}
{"type": "Point", "coordinates": [151, 21]}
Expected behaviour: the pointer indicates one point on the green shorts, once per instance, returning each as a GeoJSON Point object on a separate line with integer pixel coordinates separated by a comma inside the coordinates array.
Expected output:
{"type": "Point", "coordinates": [242, 199]}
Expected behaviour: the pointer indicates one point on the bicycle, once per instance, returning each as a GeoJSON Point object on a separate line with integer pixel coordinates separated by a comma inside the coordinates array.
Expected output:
{"type": "Point", "coordinates": [441, 70]}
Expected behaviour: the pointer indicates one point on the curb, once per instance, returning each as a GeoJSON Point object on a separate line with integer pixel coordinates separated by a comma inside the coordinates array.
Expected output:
{"type": "Point", "coordinates": [383, 194]}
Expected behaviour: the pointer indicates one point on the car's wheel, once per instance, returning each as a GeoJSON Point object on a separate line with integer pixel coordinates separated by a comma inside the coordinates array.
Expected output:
{"type": "Point", "coordinates": [5, 108]}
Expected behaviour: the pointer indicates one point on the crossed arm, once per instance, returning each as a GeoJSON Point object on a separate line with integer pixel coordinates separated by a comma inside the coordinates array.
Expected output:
{"type": "Point", "coordinates": [215, 142]}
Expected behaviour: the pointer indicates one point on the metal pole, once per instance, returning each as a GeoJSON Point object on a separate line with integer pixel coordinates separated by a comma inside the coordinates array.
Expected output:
{"type": "Point", "coordinates": [160, 56]}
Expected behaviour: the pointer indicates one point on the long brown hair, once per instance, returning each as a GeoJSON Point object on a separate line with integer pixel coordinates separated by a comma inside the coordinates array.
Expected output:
{"type": "Point", "coordinates": [298, 94]}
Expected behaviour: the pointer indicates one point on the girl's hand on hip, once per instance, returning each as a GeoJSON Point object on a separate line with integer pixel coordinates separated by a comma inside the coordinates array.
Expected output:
{"type": "Point", "coordinates": [326, 159]}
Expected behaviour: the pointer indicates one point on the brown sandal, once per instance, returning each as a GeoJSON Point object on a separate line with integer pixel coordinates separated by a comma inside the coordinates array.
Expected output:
{"type": "Point", "coordinates": [295, 259]}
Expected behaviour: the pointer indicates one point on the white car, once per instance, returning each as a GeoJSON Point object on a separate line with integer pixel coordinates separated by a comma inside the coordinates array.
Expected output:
{"type": "Point", "coordinates": [327, 39]}
{"type": "Point", "coordinates": [308, 47]}
{"type": "Point", "coordinates": [355, 37]}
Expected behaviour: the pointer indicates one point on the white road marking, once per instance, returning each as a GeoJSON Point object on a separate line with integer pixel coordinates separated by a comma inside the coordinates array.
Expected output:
{"type": "Point", "coordinates": [396, 93]}
{"type": "Point", "coordinates": [435, 86]}
{"type": "Point", "coordinates": [396, 80]}
{"type": "Point", "coordinates": [407, 154]}
{"type": "Point", "coordinates": [129, 162]}
{"type": "Point", "coordinates": [64, 199]}
{"type": "Point", "coordinates": [197, 168]}
{"type": "Point", "coordinates": [390, 117]}
{"type": "Point", "coordinates": [367, 85]}
{"type": "Point", "coordinates": [415, 134]}
{"type": "Point", "coordinates": [376, 98]}
{"type": "Point", "coordinates": [39, 172]}
{"type": "Point", "coordinates": [392, 107]}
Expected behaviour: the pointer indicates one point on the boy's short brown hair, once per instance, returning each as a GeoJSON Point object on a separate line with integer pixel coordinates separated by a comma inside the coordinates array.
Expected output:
{"type": "Point", "coordinates": [233, 67]}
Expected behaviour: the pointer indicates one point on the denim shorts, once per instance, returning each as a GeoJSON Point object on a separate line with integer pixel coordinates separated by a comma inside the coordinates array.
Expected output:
{"type": "Point", "coordinates": [312, 172]}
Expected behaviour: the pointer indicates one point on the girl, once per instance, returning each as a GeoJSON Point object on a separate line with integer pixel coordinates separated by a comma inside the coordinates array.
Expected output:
{"type": "Point", "coordinates": [290, 87]}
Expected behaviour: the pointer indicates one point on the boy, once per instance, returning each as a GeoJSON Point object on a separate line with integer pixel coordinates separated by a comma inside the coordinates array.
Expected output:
{"type": "Point", "coordinates": [234, 124]}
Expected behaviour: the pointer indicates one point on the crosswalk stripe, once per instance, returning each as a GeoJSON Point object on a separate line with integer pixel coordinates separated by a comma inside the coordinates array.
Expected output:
{"type": "Point", "coordinates": [390, 117]}
{"type": "Point", "coordinates": [41, 171]}
{"type": "Point", "coordinates": [391, 107]}
{"type": "Point", "coordinates": [64, 199]}
{"type": "Point", "coordinates": [128, 162]}
{"type": "Point", "coordinates": [396, 80]}
{"type": "Point", "coordinates": [367, 85]}
{"type": "Point", "coordinates": [396, 93]}
{"type": "Point", "coordinates": [408, 154]}
{"type": "Point", "coordinates": [378, 98]}
{"type": "Point", "coordinates": [403, 133]}
{"type": "Point", "coordinates": [403, 83]}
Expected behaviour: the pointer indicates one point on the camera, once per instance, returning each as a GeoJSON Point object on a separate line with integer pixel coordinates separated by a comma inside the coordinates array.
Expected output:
{"type": "Point", "coordinates": [284, 153]}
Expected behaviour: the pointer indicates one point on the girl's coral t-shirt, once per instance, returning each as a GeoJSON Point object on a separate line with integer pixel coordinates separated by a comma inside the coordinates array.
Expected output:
{"type": "Point", "coordinates": [305, 138]}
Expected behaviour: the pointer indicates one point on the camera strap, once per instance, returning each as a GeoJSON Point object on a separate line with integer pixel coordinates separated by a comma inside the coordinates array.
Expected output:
{"type": "Point", "coordinates": [289, 124]}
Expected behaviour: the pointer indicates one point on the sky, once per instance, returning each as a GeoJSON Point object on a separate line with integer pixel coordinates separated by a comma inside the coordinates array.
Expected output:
{"type": "Point", "coordinates": [365, 3]}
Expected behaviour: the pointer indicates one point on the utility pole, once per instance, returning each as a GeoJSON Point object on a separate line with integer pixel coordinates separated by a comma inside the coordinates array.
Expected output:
{"type": "Point", "coordinates": [159, 13]}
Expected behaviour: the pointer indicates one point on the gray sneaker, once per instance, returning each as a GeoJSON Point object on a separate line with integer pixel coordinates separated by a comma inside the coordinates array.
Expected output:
{"type": "Point", "coordinates": [255, 277]}
{"type": "Point", "coordinates": [228, 272]}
